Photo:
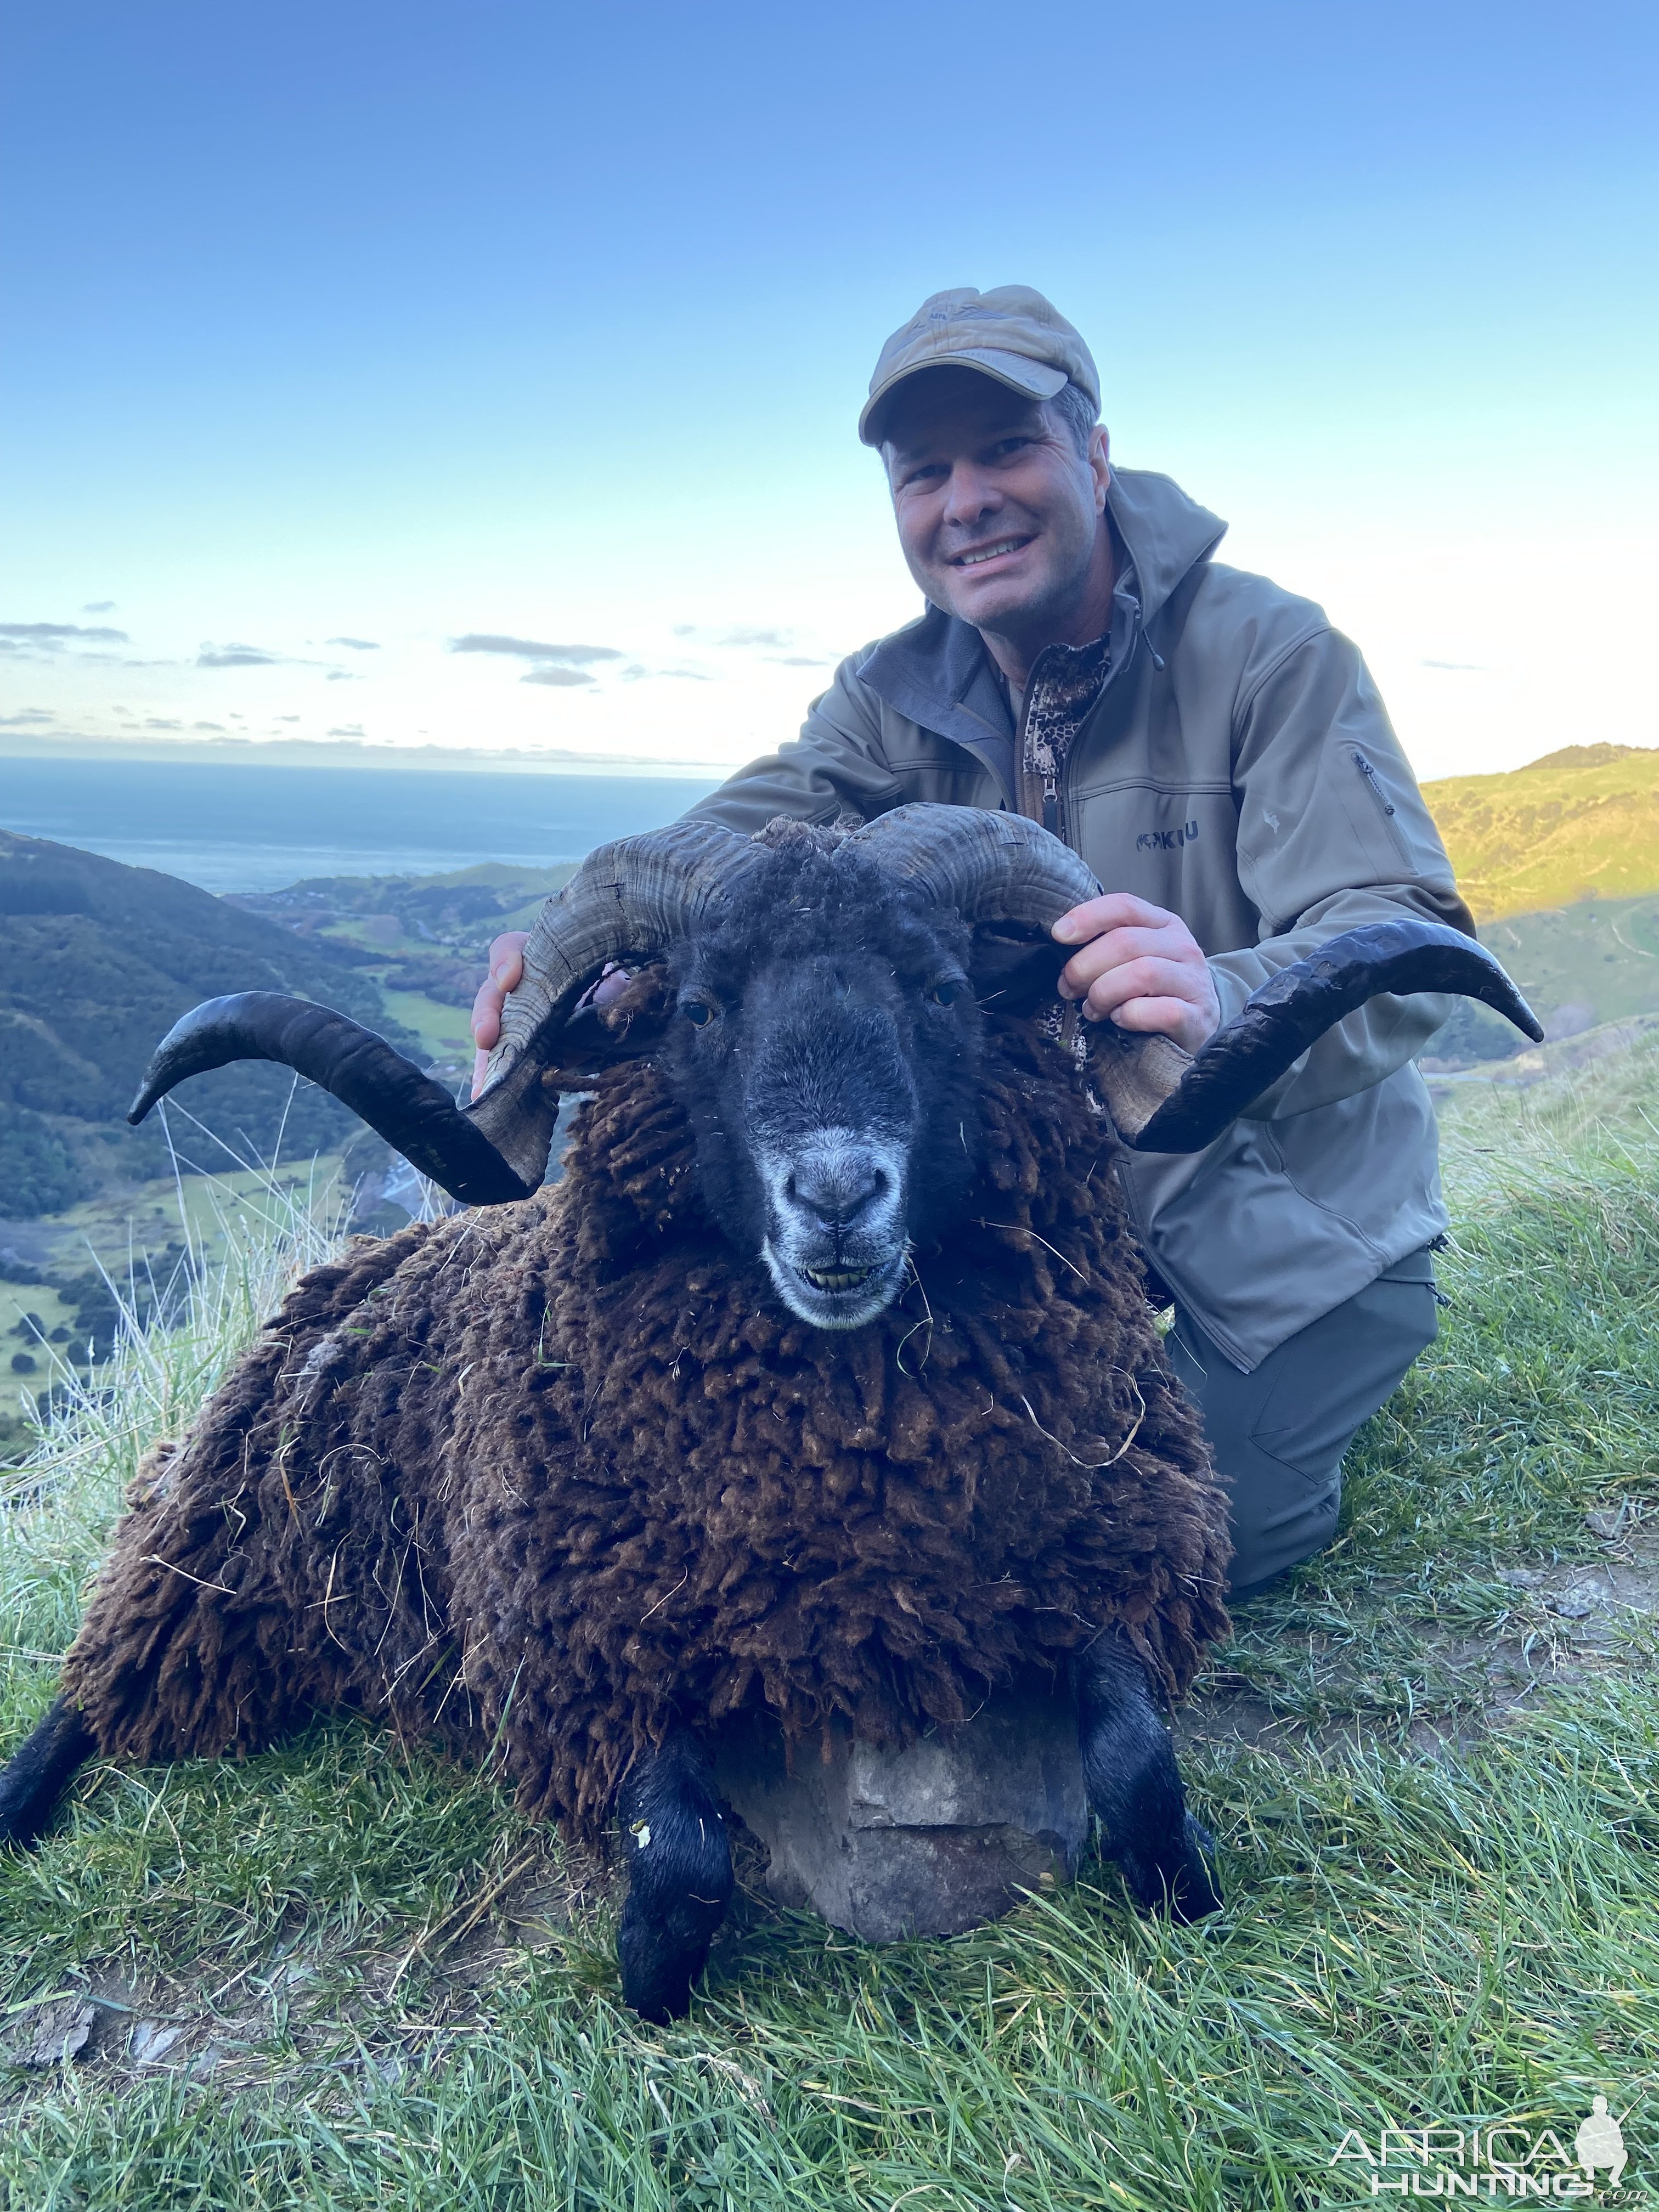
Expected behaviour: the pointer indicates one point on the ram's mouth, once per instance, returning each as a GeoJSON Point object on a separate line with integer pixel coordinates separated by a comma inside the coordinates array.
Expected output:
{"type": "Point", "coordinates": [830, 1296]}
{"type": "Point", "coordinates": [837, 1278]}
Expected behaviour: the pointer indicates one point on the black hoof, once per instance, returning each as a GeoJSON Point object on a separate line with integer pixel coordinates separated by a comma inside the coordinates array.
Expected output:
{"type": "Point", "coordinates": [680, 1880]}
{"type": "Point", "coordinates": [661, 1957]}
{"type": "Point", "coordinates": [1182, 1881]}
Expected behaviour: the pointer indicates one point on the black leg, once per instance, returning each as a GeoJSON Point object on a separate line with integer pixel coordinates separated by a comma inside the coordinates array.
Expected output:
{"type": "Point", "coordinates": [1134, 1782]}
{"type": "Point", "coordinates": [40, 1771]}
{"type": "Point", "coordinates": [680, 1879]}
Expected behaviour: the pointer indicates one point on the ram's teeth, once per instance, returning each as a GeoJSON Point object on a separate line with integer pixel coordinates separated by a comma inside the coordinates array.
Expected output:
{"type": "Point", "coordinates": [837, 1278]}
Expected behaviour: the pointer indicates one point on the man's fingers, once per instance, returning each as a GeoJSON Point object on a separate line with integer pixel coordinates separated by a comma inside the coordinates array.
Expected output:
{"type": "Point", "coordinates": [507, 959]}
{"type": "Point", "coordinates": [486, 1014]}
{"type": "Point", "coordinates": [1112, 951]}
{"type": "Point", "coordinates": [1142, 979]}
{"type": "Point", "coordinates": [1170, 1018]}
{"type": "Point", "coordinates": [1113, 911]}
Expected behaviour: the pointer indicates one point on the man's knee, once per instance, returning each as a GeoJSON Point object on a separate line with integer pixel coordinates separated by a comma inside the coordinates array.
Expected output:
{"type": "Point", "coordinates": [1279, 1434]}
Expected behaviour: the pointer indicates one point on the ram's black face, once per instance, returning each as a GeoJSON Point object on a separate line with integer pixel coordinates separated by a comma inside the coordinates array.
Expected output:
{"type": "Point", "coordinates": [826, 1044]}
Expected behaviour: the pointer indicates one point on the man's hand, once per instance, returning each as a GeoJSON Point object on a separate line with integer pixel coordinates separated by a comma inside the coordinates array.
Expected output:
{"type": "Point", "coordinates": [506, 974]}
{"type": "Point", "coordinates": [1140, 965]}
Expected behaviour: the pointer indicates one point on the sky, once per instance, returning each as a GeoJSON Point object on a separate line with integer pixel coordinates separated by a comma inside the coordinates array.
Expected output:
{"type": "Point", "coordinates": [485, 378]}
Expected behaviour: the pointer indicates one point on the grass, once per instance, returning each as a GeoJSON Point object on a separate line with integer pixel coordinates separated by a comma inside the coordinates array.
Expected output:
{"type": "Point", "coordinates": [393, 1993]}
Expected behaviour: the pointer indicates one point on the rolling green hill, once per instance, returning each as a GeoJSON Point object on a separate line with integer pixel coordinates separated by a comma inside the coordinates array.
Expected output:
{"type": "Point", "coordinates": [97, 962]}
{"type": "Point", "coordinates": [1580, 823]}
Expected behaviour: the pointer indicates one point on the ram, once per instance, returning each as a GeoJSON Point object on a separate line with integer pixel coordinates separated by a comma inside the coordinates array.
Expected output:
{"type": "Point", "coordinates": [824, 1385]}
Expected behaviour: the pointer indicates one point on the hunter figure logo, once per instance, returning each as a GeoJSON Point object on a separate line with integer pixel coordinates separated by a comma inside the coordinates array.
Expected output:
{"type": "Point", "coordinates": [1501, 2159]}
{"type": "Point", "coordinates": [1601, 2141]}
{"type": "Point", "coordinates": [1166, 840]}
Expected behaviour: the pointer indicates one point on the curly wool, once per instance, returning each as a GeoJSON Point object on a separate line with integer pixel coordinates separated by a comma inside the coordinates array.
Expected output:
{"type": "Point", "coordinates": [556, 1478]}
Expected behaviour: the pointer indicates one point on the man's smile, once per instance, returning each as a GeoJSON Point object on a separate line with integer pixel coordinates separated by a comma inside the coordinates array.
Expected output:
{"type": "Point", "coordinates": [977, 556]}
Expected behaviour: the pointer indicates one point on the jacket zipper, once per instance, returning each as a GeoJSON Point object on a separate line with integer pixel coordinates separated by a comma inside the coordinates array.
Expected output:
{"type": "Point", "coordinates": [1374, 785]}
{"type": "Point", "coordinates": [1052, 803]}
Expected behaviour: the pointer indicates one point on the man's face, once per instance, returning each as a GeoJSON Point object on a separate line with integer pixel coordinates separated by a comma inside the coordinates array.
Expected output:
{"type": "Point", "coordinates": [998, 512]}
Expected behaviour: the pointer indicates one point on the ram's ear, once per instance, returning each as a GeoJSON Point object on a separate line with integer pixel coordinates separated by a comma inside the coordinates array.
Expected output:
{"type": "Point", "coordinates": [630, 1027]}
{"type": "Point", "coordinates": [1015, 968]}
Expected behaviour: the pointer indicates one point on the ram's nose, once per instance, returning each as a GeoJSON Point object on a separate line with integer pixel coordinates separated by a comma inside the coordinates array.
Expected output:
{"type": "Point", "coordinates": [838, 1186]}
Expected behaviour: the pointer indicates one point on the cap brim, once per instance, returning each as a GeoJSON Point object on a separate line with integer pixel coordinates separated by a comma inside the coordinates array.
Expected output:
{"type": "Point", "coordinates": [1033, 377]}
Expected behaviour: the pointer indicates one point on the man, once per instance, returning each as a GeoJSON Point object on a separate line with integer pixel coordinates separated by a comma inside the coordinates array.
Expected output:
{"type": "Point", "coordinates": [1219, 757]}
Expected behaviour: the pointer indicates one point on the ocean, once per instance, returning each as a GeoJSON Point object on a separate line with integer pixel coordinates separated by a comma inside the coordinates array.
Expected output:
{"type": "Point", "coordinates": [253, 829]}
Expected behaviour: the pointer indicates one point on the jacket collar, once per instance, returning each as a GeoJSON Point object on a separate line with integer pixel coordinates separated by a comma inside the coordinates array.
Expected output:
{"type": "Point", "coordinates": [937, 673]}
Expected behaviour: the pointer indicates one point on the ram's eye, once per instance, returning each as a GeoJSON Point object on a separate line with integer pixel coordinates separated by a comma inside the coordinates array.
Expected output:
{"type": "Point", "coordinates": [698, 1011]}
{"type": "Point", "coordinates": [945, 995]}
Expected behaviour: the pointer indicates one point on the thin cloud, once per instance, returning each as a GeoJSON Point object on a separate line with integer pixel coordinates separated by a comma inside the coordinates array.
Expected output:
{"type": "Point", "coordinates": [217, 727]}
{"type": "Point", "coordinates": [342, 676]}
{"type": "Point", "coordinates": [776, 638]}
{"type": "Point", "coordinates": [355, 644]}
{"type": "Point", "coordinates": [1469, 667]}
{"type": "Point", "coordinates": [235, 656]}
{"type": "Point", "coordinates": [288, 718]}
{"type": "Point", "coordinates": [155, 722]}
{"type": "Point", "coordinates": [555, 674]}
{"type": "Point", "coordinates": [99, 607]}
{"type": "Point", "coordinates": [51, 636]}
{"type": "Point", "coordinates": [27, 718]}
{"type": "Point", "coordinates": [350, 729]}
{"type": "Point", "coordinates": [797, 660]}
{"type": "Point", "coordinates": [638, 674]}
{"type": "Point", "coordinates": [531, 648]}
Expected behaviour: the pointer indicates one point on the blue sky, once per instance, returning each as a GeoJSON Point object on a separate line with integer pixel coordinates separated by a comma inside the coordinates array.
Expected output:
{"type": "Point", "coordinates": [407, 325]}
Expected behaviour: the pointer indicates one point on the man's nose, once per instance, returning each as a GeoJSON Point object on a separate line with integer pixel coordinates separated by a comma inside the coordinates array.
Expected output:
{"type": "Point", "coordinates": [838, 1187]}
{"type": "Point", "coordinates": [971, 495]}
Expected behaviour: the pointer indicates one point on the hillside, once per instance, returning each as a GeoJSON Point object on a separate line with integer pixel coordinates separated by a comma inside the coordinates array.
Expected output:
{"type": "Point", "coordinates": [1583, 823]}
{"type": "Point", "coordinates": [97, 962]}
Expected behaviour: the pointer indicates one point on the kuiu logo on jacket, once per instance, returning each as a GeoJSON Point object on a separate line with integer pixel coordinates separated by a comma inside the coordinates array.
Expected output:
{"type": "Point", "coordinates": [1166, 840]}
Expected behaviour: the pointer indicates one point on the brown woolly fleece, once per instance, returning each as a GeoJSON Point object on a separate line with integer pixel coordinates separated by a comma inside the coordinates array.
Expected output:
{"type": "Point", "coordinates": [559, 1476]}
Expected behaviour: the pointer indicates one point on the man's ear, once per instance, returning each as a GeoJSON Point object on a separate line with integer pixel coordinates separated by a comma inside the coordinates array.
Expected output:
{"type": "Point", "coordinates": [1015, 971]}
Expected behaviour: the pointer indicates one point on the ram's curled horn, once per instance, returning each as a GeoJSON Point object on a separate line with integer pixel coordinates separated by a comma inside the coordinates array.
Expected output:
{"type": "Point", "coordinates": [415, 1116]}
{"type": "Point", "coordinates": [991, 868]}
{"type": "Point", "coordinates": [635, 897]}
{"type": "Point", "coordinates": [1163, 1099]}
{"type": "Point", "coordinates": [1174, 1101]}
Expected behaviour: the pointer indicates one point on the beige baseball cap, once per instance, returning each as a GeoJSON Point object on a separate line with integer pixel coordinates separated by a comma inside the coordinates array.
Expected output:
{"type": "Point", "coordinates": [1011, 334]}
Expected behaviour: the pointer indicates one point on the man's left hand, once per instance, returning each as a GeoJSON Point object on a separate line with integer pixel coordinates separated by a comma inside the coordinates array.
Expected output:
{"type": "Point", "coordinates": [1140, 964]}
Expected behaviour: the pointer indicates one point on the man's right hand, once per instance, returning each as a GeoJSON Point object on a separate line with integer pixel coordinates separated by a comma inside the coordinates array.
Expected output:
{"type": "Point", "coordinates": [506, 974]}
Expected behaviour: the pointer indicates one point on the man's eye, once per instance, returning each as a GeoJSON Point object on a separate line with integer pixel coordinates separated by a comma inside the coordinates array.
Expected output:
{"type": "Point", "coordinates": [698, 1012]}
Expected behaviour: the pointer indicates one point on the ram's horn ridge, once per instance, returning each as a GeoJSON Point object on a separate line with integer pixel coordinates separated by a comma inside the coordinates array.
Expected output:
{"type": "Point", "coordinates": [1164, 1100]}
{"type": "Point", "coordinates": [416, 1116]}
{"type": "Point", "coordinates": [991, 868]}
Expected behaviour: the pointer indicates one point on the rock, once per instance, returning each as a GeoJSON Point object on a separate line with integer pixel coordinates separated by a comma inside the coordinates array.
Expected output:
{"type": "Point", "coordinates": [58, 2031]}
{"type": "Point", "coordinates": [927, 1841]}
{"type": "Point", "coordinates": [152, 2042]}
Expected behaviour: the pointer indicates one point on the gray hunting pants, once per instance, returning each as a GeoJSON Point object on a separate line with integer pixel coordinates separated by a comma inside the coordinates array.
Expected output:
{"type": "Point", "coordinates": [1279, 1434]}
